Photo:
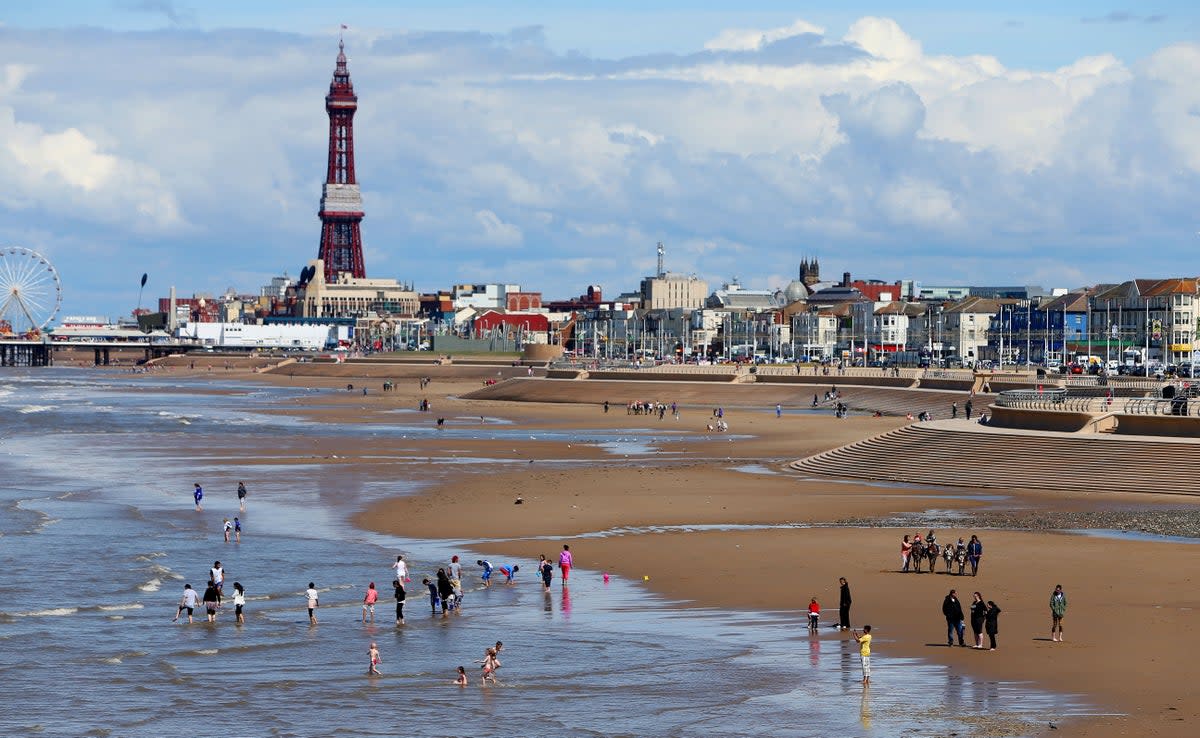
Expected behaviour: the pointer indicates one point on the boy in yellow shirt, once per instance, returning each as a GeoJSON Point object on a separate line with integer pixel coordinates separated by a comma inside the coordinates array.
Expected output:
{"type": "Point", "coordinates": [864, 652]}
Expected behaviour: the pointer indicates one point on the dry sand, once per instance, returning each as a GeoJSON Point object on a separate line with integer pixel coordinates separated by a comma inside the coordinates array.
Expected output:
{"type": "Point", "coordinates": [1131, 603]}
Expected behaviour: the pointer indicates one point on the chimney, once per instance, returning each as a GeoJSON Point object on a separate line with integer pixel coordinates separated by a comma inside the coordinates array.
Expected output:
{"type": "Point", "coordinates": [845, 279]}
{"type": "Point", "coordinates": [171, 321]}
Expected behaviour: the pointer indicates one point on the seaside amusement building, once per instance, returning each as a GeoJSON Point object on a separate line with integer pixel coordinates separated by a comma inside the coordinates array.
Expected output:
{"type": "Point", "coordinates": [335, 284]}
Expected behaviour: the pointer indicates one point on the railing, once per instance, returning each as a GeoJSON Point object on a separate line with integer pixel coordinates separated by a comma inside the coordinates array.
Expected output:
{"type": "Point", "coordinates": [1007, 398]}
{"type": "Point", "coordinates": [1179, 406]}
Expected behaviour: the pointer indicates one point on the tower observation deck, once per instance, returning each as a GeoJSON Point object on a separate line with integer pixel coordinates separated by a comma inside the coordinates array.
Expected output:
{"type": "Point", "coordinates": [341, 202]}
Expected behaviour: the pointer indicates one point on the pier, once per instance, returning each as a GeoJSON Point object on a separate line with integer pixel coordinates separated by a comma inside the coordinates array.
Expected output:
{"type": "Point", "coordinates": [25, 352]}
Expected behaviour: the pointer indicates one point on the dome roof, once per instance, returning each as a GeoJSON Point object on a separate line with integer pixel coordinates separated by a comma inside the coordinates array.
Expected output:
{"type": "Point", "coordinates": [795, 291]}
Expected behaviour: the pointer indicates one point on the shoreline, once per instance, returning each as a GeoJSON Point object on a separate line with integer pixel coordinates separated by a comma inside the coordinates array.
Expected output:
{"type": "Point", "coordinates": [778, 570]}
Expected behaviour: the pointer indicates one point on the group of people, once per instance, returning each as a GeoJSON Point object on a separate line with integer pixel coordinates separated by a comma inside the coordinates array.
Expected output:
{"type": "Point", "coordinates": [649, 408]}
{"type": "Point", "coordinates": [983, 615]}
{"type": "Point", "coordinates": [915, 551]}
{"type": "Point", "coordinates": [985, 618]}
{"type": "Point", "coordinates": [212, 599]}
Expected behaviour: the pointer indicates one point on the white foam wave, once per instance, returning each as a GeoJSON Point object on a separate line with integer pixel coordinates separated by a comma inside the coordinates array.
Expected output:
{"type": "Point", "coordinates": [130, 606]}
{"type": "Point", "coordinates": [208, 652]}
{"type": "Point", "coordinates": [113, 660]}
{"type": "Point", "coordinates": [53, 612]}
{"type": "Point", "coordinates": [164, 571]}
{"type": "Point", "coordinates": [151, 586]}
{"type": "Point", "coordinates": [27, 409]}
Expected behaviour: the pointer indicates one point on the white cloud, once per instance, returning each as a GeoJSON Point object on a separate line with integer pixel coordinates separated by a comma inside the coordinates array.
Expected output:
{"type": "Point", "coordinates": [884, 39]}
{"type": "Point", "coordinates": [743, 156]}
{"type": "Point", "coordinates": [745, 39]}
{"type": "Point", "coordinates": [496, 231]}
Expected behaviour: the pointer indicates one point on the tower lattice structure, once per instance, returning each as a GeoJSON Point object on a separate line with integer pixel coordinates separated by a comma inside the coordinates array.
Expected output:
{"type": "Point", "coordinates": [341, 201]}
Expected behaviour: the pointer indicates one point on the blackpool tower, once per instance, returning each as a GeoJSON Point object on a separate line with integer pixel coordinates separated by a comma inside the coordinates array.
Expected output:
{"type": "Point", "coordinates": [341, 202]}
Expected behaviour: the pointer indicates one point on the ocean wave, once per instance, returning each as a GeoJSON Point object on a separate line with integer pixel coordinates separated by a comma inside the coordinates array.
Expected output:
{"type": "Point", "coordinates": [27, 409]}
{"type": "Point", "coordinates": [164, 571]}
{"type": "Point", "coordinates": [53, 612]}
{"type": "Point", "coordinates": [129, 606]}
{"type": "Point", "coordinates": [208, 652]}
{"type": "Point", "coordinates": [151, 586]}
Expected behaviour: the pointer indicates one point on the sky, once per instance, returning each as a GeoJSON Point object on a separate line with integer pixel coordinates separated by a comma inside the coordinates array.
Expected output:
{"type": "Point", "coordinates": [554, 144]}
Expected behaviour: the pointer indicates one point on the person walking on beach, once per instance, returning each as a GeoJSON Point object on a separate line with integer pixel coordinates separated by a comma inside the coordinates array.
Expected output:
{"type": "Point", "coordinates": [844, 605]}
{"type": "Point", "coordinates": [974, 554]}
{"type": "Point", "coordinates": [445, 591]}
{"type": "Point", "coordinates": [401, 594]}
{"type": "Point", "coordinates": [198, 494]}
{"type": "Point", "coordinates": [864, 652]}
{"type": "Point", "coordinates": [814, 615]}
{"type": "Point", "coordinates": [241, 494]}
{"type": "Point", "coordinates": [189, 601]}
{"type": "Point", "coordinates": [905, 553]}
{"type": "Point", "coordinates": [978, 616]}
{"type": "Point", "coordinates": [211, 601]}
{"type": "Point", "coordinates": [953, 410]}
{"type": "Point", "coordinates": [952, 610]}
{"type": "Point", "coordinates": [565, 562]}
{"type": "Point", "coordinates": [992, 624]}
{"type": "Point", "coordinates": [401, 569]}
{"type": "Point", "coordinates": [313, 598]}
{"type": "Point", "coordinates": [546, 570]}
{"type": "Point", "coordinates": [1058, 609]}
{"type": "Point", "coordinates": [217, 575]}
{"type": "Point", "coordinates": [373, 657]}
{"type": "Point", "coordinates": [369, 600]}
{"type": "Point", "coordinates": [239, 603]}
{"type": "Point", "coordinates": [228, 527]}
{"type": "Point", "coordinates": [778, 410]}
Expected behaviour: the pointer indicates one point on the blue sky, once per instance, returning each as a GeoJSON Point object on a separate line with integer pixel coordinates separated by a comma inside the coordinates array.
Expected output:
{"type": "Point", "coordinates": [552, 144]}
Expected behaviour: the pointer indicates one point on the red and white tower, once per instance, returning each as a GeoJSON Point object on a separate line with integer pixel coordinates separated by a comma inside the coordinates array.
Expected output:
{"type": "Point", "coordinates": [341, 202]}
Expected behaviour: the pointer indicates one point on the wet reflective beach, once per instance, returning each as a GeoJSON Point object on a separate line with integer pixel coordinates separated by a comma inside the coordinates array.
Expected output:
{"type": "Point", "coordinates": [99, 536]}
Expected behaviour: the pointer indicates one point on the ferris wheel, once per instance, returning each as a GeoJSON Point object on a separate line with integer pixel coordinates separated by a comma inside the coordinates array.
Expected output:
{"type": "Point", "coordinates": [30, 291]}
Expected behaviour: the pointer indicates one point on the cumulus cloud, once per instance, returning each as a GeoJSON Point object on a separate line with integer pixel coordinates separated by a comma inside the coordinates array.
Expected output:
{"type": "Point", "coordinates": [739, 39]}
{"type": "Point", "coordinates": [565, 169]}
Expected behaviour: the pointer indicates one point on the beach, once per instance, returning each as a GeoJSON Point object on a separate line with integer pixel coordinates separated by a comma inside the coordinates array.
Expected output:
{"type": "Point", "coordinates": [718, 523]}
{"type": "Point", "coordinates": [1130, 601]}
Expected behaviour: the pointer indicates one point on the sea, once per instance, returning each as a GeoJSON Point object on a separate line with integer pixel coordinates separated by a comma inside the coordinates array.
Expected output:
{"type": "Point", "coordinates": [98, 536]}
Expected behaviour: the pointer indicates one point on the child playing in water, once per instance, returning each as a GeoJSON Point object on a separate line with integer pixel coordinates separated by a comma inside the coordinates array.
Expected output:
{"type": "Point", "coordinates": [486, 575]}
{"type": "Point", "coordinates": [461, 679]}
{"type": "Point", "coordinates": [228, 526]}
{"type": "Point", "coordinates": [434, 599]}
{"type": "Point", "coordinates": [237, 530]}
{"type": "Point", "coordinates": [489, 665]}
{"type": "Point", "coordinates": [369, 601]}
{"type": "Point", "coordinates": [814, 614]}
{"type": "Point", "coordinates": [509, 571]}
{"type": "Point", "coordinates": [373, 653]}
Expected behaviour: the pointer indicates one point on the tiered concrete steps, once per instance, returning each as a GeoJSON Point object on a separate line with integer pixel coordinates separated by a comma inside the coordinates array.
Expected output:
{"type": "Point", "coordinates": [963, 454]}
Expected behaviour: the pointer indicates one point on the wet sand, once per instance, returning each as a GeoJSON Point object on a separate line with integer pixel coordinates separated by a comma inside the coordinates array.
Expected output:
{"type": "Point", "coordinates": [1131, 602]}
